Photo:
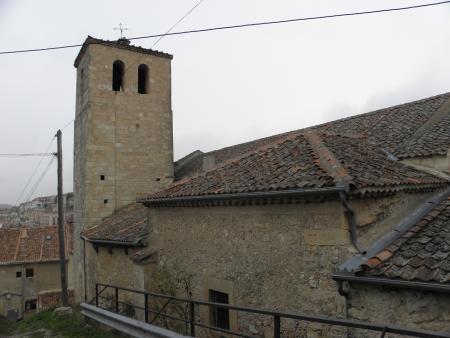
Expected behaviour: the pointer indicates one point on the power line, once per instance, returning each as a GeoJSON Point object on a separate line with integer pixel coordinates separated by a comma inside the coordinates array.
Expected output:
{"type": "Point", "coordinates": [68, 124]}
{"type": "Point", "coordinates": [34, 172]}
{"type": "Point", "coordinates": [264, 23]}
{"type": "Point", "coordinates": [39, 180]}
{"type": "Point", "coordinates": [161, 37]}
{"type": "Point", "coordinates": [27, 155]}
{"type": "Point", "coordinates": [176, 23]}
{"type": "Point", "coordinates": [42, 155]}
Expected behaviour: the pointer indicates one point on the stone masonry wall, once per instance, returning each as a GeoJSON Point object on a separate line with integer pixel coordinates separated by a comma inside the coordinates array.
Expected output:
{"type": "Point", "coordinates": [409, 308]}
{"type": "Point", "coordinates": [441, 163]}
{"type": "Point", "coordinates": [115, 267]}
{"type": "Point", "coordinates": [80, 140]}
{"type": "Point", "coordinates": [274, 256]}
{"type": "Point", "coordinates": [124, 137]}
{"type": "Point", "coordinates": [376, 216]}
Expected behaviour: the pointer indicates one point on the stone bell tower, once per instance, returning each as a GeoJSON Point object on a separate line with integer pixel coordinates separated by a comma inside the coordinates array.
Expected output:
{"type": "Point", "coordinates": [123, 147]}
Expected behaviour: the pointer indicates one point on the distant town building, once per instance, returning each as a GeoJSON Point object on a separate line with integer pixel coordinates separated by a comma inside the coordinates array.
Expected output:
{"type": "Point", "coordinates": [29, 269]}
{"type": "Point", "coordinates": [41, 211]}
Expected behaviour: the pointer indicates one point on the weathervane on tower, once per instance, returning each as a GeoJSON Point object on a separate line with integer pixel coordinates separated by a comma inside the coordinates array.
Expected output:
{"type": "Point", "coordinates": [121, 28]}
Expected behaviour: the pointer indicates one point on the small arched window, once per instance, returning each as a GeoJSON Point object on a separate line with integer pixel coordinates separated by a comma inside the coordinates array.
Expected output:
{"type": "Point", "coordinates": [118, 70]}
{"type": "Point", "coordinates": [143, 79]}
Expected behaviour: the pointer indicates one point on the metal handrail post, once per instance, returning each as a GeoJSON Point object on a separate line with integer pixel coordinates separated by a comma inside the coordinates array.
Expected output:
{"type": "Point", "coordinates": [117, 300]}
{"type": "Point", "coordinates": [146, 308]}
{"type": "Point", "coordinates": [276, 326]}
{"type": "Point", "coordinates": [96, 294]}
{"type": "Point", "coordinates": [192, 315]}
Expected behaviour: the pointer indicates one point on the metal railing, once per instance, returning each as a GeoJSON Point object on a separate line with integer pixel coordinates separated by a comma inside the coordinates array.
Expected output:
{"type": "Point", "coordinates": [276, 316]}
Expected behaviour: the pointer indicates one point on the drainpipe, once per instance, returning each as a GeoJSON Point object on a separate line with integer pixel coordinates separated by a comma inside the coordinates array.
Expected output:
{"type": "Point", "coordinates": [351, 220]}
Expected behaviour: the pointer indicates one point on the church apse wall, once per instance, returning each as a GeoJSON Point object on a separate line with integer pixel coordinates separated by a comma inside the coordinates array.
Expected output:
{"type": "Point", "coordinates": [272, 256]}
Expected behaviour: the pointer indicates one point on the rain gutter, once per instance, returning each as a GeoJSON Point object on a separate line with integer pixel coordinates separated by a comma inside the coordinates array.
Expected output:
{"type": "Point", "coordinates": [404, 284]}
{"type": "Point", "coordinates": [114, 243]}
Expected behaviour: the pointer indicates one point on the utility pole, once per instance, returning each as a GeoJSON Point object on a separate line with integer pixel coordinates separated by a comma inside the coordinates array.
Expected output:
{"type": "Point", "coordinates": [62, 249]}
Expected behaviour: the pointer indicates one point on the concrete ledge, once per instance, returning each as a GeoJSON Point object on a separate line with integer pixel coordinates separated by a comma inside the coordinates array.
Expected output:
{"type": "Point", "coordinates": [129, 326]}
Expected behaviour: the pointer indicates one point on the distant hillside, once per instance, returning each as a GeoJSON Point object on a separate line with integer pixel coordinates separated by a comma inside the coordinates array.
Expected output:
{"type": "Point", "coordinates": [5, 206]}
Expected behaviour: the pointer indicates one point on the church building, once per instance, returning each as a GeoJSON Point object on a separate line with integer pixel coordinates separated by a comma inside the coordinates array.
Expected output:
{"type": "Point", "coordinates": [344, 219]}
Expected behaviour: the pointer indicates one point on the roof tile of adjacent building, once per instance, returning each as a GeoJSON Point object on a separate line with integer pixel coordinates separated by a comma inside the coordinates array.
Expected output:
{"type": "Point", "coordinates": [421, 254]}
{"type": "Point", "coordinates": [121, 44]}
{"type": "Point", "coordinates": [418, 128]}
{"type": "Point", "coordinates": [33, 245]}
{"type": "Point", "coordinates": [306, 160]}
{"type": "Point", "coordinates": [127, 225]}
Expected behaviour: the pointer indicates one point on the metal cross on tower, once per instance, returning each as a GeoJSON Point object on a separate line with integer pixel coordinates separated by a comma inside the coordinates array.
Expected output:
{"type": "Point", "coordinates": [121, 28]}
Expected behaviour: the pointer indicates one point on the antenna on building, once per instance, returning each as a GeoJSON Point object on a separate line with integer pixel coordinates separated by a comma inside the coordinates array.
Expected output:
{"type": "Point", "coordinates": [121, 29]}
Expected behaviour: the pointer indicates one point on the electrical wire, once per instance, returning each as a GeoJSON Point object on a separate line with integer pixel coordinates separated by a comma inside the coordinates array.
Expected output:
{"type": "Point", "coordinates": [34, 172]}
{"type": "Point", "coordinates": [42, 155]}
{"type": "Point", "coordinates": [39, 180]}
{"type": "Point", "coordinates": [27, 155]}
{"type": "Point", "coordinates": [179, 20]}
{"type": "Point", "coordinates": [176, 23]}
{"type": "Point", "coordinates": [264, 23]}
{"type": "Point", "coordinates": [68, 124]}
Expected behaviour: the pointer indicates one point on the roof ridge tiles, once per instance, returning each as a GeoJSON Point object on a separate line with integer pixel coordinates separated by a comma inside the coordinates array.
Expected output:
{"type": "Point", "coordinates": [435, 118]}
{"type": "Point", "coordinates": [326, 159]}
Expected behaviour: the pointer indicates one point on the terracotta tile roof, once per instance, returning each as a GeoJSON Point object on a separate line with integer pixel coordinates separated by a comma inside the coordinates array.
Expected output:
{"type": "Point", "coordinates": [121, 44]}
{"type": "Point", "coordinates": [147, 255]}
{"type": "Point", "coordinates": [435, 140]}
{"type": "Point", "coordinates": [392, 129]}
{"type": "Point", "coordinates": [33, 245]}
{"type": "Point", "coordinates": [127, 225]}
{"type": "Point", "coordinates": [420, 254]}
{"type": "Point", "coordinates": [298, 160]}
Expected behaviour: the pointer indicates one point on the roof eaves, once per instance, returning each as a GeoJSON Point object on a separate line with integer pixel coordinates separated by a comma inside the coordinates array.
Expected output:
{"type": "Point", "coordinates": [397, 283]}
{"type": "Point", "coordinates": [107, 242]}
{"type": "Point", "coordinates": [31, 261]}
{"type": "Point", "coordinates": [156, 202]}
{"type": "Point", "coordinates": [376, 190]}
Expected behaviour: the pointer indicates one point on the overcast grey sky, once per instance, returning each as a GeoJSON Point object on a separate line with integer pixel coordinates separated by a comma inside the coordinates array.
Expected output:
{"type": "Point", "coordinates": [228, 86]}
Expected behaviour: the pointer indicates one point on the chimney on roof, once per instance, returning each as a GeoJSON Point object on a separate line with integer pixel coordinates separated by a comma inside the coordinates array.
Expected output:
{"type": "Point", "coordinates": [23, 233]}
